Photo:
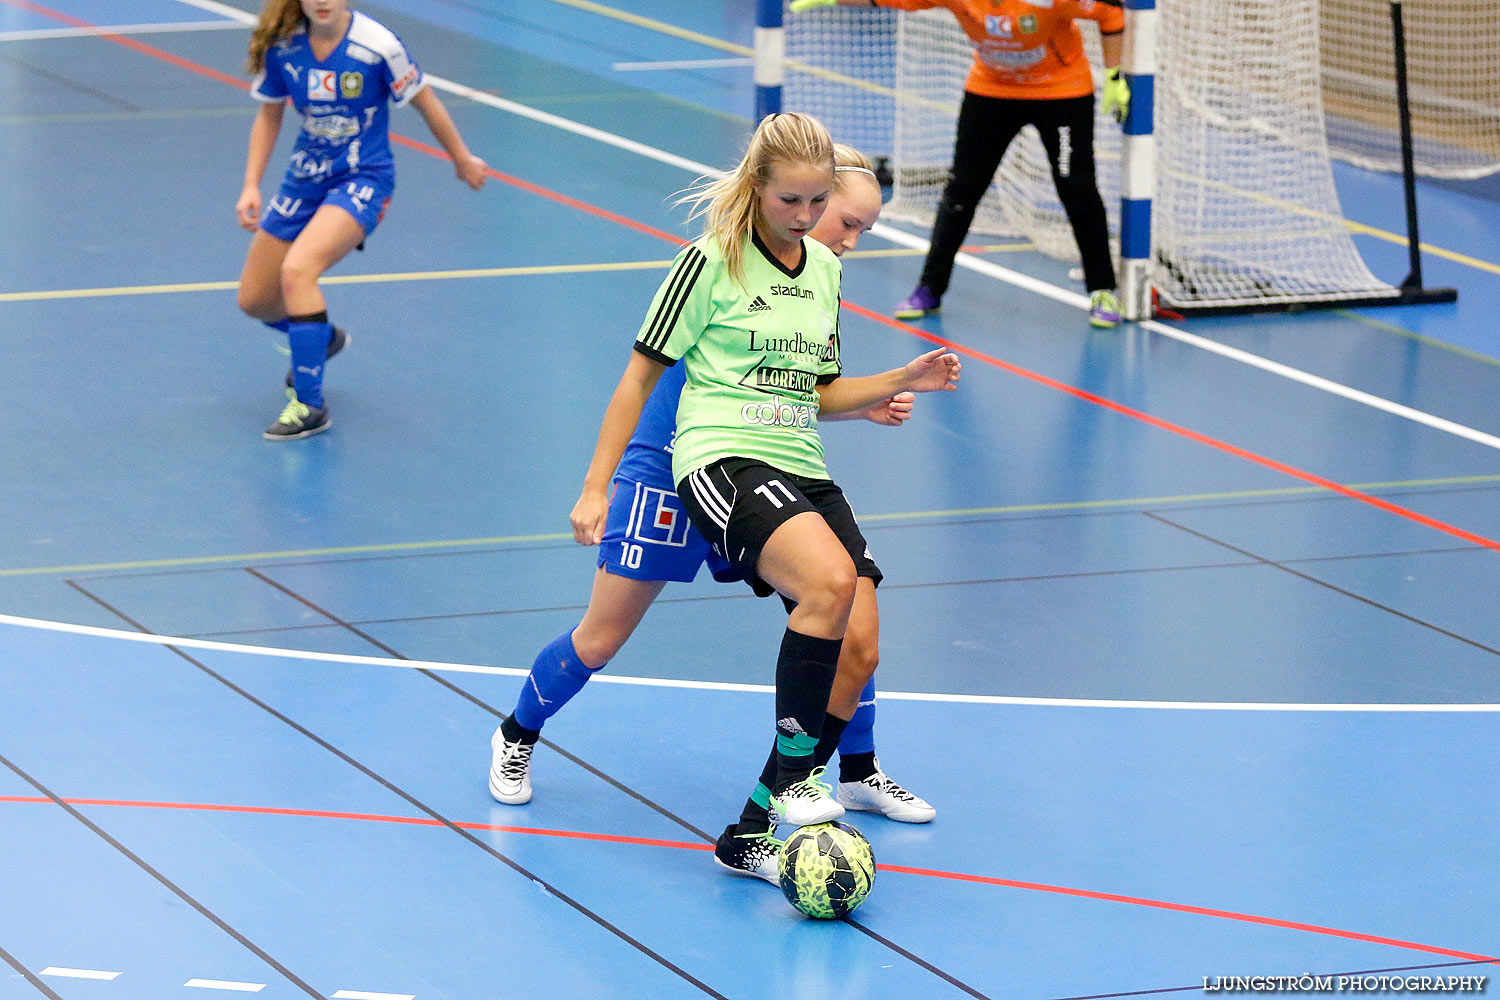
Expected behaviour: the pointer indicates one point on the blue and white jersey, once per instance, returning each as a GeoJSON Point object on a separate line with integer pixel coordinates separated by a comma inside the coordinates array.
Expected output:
{"type": "Point", "coordinates": [648, 456]}
{"type": "Point", "coordinates": [343, 99]}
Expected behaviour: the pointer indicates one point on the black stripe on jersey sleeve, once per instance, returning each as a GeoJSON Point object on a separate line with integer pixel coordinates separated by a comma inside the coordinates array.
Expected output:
{"type": "Point", "coordinates": [830, 377]}
{"type": "Point", "coordinates": [679, 284]}
{"type": "Point", "coordinates": [654, 355]}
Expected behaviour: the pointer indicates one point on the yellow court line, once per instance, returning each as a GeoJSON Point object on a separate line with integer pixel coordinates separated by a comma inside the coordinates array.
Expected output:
{"type": "Point", "coordinates": [709, 41]}
{"type": "Point", "coordinates": [343, 279]}
{"type": "Point", "coordinates": [345, 550]}
{"type": "Point", "coordinates": [479, 272]}
{"type": "Point", "coordinates": [718, 43]}
{"type": "Point", "coordinates": [916, 515]}
{"type": "Point", "coordinates": [1402, 331]}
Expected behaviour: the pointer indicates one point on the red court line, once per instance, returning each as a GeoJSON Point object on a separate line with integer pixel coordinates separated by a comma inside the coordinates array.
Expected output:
{"type": "Point", "coordinates": [131, 43]}
{"type": "Point", "coordinates": [1178, 429]}
{"type": "Point", "coordinates": [233, 81]}
{"type": "Point", "coordinates": [608, 838]}
{"type": "Point", "coordinates": [1037, 377]}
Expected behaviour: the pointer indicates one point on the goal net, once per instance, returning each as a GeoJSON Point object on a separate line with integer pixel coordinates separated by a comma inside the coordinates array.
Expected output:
{"type": "Point", "coordinates": [1453, 84]}
{"type": "Point", "coordinates": [1245, 214]}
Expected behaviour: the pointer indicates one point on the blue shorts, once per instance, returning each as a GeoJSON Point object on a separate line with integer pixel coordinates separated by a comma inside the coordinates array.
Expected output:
{"type": "Point", "coordinates": [362, 195]}
{"type": "Point", "coordinates": [648, 537]}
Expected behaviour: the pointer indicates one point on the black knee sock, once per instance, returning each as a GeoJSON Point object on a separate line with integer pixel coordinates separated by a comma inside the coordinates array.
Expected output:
{"type": "Point", "coordinates": [756, 817]}
{"type": "Point", "coordinates": [804, 680]}
{"type": "Point", "coordinates": [828, 743]}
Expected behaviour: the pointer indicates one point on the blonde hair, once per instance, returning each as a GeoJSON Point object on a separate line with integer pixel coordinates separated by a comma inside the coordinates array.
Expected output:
{"type": "Point", "coordinates": [848, 162]}
{"type": "Point", "coordinates": [278, 20]}
{"type": "Point", "coordinates": [730, 203]}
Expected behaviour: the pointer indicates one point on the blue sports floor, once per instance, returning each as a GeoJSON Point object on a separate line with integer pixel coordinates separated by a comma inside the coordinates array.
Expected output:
{"type": "Point", "coordinates": [1190, 630]}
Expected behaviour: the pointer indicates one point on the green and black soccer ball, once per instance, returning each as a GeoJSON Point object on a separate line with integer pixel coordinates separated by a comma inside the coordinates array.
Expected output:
{"type": "Point", "coordinates": [827, 870]}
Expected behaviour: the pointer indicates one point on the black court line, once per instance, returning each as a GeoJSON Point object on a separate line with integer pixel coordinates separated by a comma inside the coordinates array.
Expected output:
{"type": "Point", "coordinates": [480, 703]}
{"type": "Point", "coordinates": [170, 885]}
{"type": "Point", "coordinates": [638, 796]}
{"type": "Point", "coordinates": [1285, 568]}
{"type": "Point", "coordinates": [705, 598]}
{"type": "Point", "coordinates": [28, 975]}
{"type": "Point", "coordinates": [885, 522]}
{"type": "Point", "coordinates": [73, 84]}
{"type": "Point", "coordinates": [1198, 987]}
{"type": "Point", "coordinates": [390, 786]}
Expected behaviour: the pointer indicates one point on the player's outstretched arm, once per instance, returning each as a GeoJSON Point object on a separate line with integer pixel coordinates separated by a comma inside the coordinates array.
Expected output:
{"type": "Point", "coordinates": [935, 371]}
{"type": "Point", "coordinates": [620, 417]}
{"type": "Point", "coordinates": [469, 168]}
{"type": "Point", "coordinates": [263, 133]}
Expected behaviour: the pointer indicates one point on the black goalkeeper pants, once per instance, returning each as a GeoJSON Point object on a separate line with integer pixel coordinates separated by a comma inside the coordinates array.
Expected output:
{"type": "Point", "coordinates": [986, 126]}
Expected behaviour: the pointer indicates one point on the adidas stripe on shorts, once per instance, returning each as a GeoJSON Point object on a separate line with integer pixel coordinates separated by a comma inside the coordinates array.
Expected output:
{"type": "Point", "coordinates": [736, 504]}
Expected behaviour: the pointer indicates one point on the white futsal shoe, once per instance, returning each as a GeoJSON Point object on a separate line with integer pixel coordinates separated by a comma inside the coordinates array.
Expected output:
{"type": "Point", "coordinates": [878, 793]}
{"type": "Point", "coordinates": [805, 802]}
{"type": "Point", "coordinates": [510, 770]}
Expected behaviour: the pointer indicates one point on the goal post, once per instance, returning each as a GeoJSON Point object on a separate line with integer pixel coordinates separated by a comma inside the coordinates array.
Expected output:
{"type": "Point", "coordinates": [1220, 185]}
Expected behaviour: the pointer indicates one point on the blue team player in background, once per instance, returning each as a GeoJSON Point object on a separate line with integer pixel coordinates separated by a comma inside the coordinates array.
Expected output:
{"type": "Point", "coordinates": [341, 70]}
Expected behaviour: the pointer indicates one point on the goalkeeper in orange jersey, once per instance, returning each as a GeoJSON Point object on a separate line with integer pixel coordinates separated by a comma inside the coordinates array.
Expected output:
{"type": "Point", "coordinates": [1029, 69]}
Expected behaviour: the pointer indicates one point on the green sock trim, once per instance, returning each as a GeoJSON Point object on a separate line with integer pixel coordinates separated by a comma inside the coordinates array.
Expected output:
{"type": "Point", "coordinates": [761, 796]}
{"type": "Point", "coordinates": [797, 745]}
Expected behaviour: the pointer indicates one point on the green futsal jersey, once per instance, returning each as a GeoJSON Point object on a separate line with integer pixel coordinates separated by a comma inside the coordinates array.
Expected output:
{"type": "Point", "coordinates": [754, 354]}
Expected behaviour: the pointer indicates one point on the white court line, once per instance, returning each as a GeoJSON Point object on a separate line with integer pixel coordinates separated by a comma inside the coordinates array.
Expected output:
{"type": "Point", "coordinates": [118, 29]}
{"type": "Point", "coordinates": [1015, 278]}
{"type": "Point", "coordinates": [223, 10]}
{"type": "Point", "coordinates": [664, 682]}
{"type": "Point", "coordinates": [361, 995]}
{"type": "Point", "coordinates": [53, 970]}
{"type": "Point", "coordinates": [682, 64]}
{"type": "Point", "coordinates": [225, 984]}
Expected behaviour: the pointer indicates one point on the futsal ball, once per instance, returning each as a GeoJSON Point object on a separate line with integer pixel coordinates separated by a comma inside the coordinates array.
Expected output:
{"type": "Point", "coordinates": [826, 870]}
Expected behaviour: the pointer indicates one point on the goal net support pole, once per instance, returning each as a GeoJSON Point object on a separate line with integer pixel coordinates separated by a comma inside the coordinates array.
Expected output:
{"type": "Point", "coordinates": [1137, 160]}
{"type": "Point", "coordinates": [770, 57]}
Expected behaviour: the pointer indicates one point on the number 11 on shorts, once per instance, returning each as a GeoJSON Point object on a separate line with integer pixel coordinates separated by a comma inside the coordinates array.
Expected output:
{"type": "Point", "coordinates": [765, 491]}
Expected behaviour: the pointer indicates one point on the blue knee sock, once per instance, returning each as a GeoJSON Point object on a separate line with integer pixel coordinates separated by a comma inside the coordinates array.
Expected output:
{"type": "Point", "coordinates": [309, 337]}
{"type": "Point", "coordinates": [859, 734]}
{"type": "Point", "coordinates": [556, 676]}
{"type": "Point", "coordinates": [281, 325]}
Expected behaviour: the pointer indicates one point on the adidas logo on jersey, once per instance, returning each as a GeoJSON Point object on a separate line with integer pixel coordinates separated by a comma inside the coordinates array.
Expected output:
{"type": "Point", "coordinates": [759, 305]}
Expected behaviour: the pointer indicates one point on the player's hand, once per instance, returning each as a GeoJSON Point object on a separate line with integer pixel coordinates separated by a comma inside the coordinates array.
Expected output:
{"type": "Point", "coordinates": [933, 372]}
{"type": "Point", "coordinates": [798, 6]}
{"type": "Point", "coordinates": [1116, 94]}
{"type": "Point", "coordinates": [247, 209]}
{"type": "Point", "coordinates": [891, 412]}
{"type": "Point", "coordinates": [471, 170]}
{"type": "Point", "coordinates": [588, 517]}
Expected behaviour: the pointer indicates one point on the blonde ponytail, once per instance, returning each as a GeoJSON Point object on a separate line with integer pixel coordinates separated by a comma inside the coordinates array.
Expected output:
{"type": "Point", "coordinates": [729, 204]}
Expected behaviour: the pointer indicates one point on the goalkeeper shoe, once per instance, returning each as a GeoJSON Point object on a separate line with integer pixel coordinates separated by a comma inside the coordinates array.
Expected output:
{"type": "Point", "coordinates": [298, 420]}
{"type": "Point", "coordinates": [919, 303]}
{"type": "Point", "coordinates": [336, 343]}
{"type": "Point", "coordinates": [878, 793]}
{"type": "Point", "coordinates": [1104, 309]}
{"type": "Point", "coordinates": [754, 854]}
{"type": "Point", "coordinates": [805, 801]}
{"type": "Point", "coordinates": [510, 770]}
